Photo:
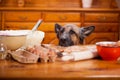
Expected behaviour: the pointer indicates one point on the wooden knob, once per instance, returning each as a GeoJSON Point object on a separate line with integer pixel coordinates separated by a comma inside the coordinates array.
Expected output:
{"type": "Point", "coordinates": [62, 17]}
{"type": "Point", "coordinates": [23, 18]}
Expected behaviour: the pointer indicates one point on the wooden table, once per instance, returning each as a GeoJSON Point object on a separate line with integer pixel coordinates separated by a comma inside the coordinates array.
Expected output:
{"type": "Point", "coordinates": [88, 69]}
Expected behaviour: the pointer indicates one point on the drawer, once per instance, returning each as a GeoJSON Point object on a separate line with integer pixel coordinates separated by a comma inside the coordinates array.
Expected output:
{"type": "Point", "coordinates": [101, 17]}
{"type": "Point", "coordinates": [22, 16]}
{"type": "Point", "coordinates": [19, 25]}
{"type": "Point", "coordinates": [49, 26]}
{"type": "Point", "coordinates": [96, 37]}
{"type": "Point", "coordinates": [62, 16]}
{"type": "Point", "coordinates": [104, 27]}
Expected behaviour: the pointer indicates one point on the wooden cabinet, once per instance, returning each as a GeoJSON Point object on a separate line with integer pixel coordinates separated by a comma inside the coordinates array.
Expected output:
{"type": "Point", "coordinates": [103, 15]}
{"type": "Point", "coordinates": [106, 23]}
{"type": "Point", "coordinates": [106, 26]}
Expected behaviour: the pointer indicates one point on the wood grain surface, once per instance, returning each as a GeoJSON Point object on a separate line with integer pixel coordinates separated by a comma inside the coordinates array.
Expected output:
{"type": "Point", "coordinates": [93, 69]}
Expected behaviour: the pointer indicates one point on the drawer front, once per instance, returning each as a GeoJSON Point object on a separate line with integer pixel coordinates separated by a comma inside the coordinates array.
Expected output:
{"type": "Point", "coordinates": [22, 16]}
{"type": "Point", "coordinates": [104, 27]}
{"type": "Point", "coordinates": [62, 16]}
{"type": "Point", "coordinates": [19, 25]}
{"type": "Point", "coordinates": [47, 27]}
{"type": "Point", "coordinates": [101, 17]}
{"type": "Point", "coordinates": [50, 26]}
{"type": "Point", "coordinates": [96, 37]}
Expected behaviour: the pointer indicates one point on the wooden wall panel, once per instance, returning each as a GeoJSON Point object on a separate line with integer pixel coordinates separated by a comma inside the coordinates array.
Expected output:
{"type": "Point", "coordinates": [60, 3]}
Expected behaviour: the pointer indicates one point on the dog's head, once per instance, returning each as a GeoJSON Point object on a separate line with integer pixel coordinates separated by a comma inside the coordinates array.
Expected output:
{"type": "Point", "coordinates": [71, 34]}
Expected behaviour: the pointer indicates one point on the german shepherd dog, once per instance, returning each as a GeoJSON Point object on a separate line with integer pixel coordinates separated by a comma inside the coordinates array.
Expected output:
{"type": "Point", "coordinates": [71, 34]}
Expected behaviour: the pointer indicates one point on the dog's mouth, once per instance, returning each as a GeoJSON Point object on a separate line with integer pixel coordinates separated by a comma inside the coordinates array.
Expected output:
{"type": "Point", "coordinates": [65, 42]}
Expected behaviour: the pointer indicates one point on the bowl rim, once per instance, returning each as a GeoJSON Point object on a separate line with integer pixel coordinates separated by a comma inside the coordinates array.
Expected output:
{"type": "Point", "coordinates": [13, 32]}
{"type": "Point", "coordinates": [107, 42]}
{"type": "Point", "coordinates": [23, 32]}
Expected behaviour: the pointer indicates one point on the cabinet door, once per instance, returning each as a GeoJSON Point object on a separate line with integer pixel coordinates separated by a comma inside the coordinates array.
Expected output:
{"type": "Point", "coordinates": [96, 37]}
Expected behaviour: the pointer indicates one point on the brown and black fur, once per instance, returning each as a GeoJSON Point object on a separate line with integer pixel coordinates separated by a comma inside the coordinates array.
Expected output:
{"type": "Point", "coordinates": [71, 34]}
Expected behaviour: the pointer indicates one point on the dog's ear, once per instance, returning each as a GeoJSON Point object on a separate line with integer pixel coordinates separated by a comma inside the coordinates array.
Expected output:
{"type": "Point", "coordinates": [84, 32]}
{"type": "Point", "coordinates": [57, 27]}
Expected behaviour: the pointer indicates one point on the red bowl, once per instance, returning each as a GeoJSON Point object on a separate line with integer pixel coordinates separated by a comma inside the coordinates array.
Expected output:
{"type": "Point", "coordinates": [108, 50]}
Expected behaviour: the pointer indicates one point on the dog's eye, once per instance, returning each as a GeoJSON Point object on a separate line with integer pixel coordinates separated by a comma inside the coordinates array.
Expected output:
{"type": "Point", "coordinates": [72, 32]}
{"type": "Point", "coordinates": [62, 30]}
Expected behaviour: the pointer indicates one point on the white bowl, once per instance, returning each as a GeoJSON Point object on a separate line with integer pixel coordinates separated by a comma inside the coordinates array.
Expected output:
{"type": "Point", "coordinates": [13, 39]}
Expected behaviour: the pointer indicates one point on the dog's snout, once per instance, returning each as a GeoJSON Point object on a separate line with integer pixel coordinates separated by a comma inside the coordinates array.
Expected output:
{"type": "Point", "coordinates": [63, 39]}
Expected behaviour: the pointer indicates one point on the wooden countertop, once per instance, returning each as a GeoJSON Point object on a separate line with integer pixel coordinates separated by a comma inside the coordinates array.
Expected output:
{"type": "Point", "coordinates": [58, 9]}
{"type": "Point", "coordinates": [88, 69]}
